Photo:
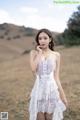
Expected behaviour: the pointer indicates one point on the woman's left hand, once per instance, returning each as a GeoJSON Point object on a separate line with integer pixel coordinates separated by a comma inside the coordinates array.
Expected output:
{"type": "Point", "coordinates": [65, 102]}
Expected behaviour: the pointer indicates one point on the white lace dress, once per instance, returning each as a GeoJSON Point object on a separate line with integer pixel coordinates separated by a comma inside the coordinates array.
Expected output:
{"type": "Point", "coordinates": [45, 95]}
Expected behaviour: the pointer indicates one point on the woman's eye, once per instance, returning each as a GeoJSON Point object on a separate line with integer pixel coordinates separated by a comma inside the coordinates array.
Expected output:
{"type": "Point", "coordinates": [40, 38]}
{"type": "Point", "coordinates": [45, 38]}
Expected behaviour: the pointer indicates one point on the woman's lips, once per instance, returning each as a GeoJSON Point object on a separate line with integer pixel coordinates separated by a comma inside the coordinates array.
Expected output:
{"type": "Point", "coordinates": [42, 44]}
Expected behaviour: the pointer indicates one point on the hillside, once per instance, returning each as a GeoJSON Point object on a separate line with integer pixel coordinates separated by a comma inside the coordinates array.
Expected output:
{"type": "Point", "coordinates": [16, 82]}
{"type": "Point", "coordinates": [15, 40]}
{"type": "Point", "coordinates": [14, 32]}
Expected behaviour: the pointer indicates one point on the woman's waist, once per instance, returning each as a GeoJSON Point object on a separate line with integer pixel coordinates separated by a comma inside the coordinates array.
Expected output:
{"type": "Point", "coordinates": [47, 76]}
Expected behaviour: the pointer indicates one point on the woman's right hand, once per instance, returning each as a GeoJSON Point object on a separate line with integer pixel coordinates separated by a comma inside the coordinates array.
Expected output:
{"type": "Point", "coordinates": [39, 49]}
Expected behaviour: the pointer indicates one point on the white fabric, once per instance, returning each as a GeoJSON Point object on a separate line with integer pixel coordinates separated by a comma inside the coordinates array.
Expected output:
{"type": "Point", "coordinates": [45, 95]}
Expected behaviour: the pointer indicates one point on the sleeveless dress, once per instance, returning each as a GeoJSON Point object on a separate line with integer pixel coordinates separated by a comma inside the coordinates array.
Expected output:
{"type": "Point", "coordinates": [45, 95]}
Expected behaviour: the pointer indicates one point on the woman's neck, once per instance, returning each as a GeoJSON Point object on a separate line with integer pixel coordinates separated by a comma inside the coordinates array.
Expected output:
{"type": "Point", "coordinates": [45, 51]}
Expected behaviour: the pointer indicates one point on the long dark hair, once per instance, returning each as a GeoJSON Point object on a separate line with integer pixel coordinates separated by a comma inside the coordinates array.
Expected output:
{"type": "Point", "coordinates": [51, 44]}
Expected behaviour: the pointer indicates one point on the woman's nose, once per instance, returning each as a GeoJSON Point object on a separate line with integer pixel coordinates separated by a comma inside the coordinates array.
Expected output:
{"type": "Point", "coordinates": [42, 40]}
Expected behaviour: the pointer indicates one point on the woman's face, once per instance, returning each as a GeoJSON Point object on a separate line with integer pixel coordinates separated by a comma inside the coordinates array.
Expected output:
{"type": "Point", "coordinates": [44, 40]}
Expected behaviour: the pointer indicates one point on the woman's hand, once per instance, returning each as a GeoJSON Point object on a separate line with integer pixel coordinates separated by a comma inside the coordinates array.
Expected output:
{"type": "Point", "coordinates": [39, 49]}
{"type": "Point", "coordinates": [35, 56]}
{"type": "Point", "coordinates": [65, 102]}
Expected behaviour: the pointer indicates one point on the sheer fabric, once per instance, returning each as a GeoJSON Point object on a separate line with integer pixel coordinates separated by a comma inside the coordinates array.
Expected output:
{"type": "Point", "coordinates": [45, 95]}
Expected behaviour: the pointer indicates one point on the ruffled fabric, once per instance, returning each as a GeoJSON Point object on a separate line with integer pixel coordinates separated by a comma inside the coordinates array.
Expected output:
{"type": "Point", "coordinates": [45, 98]}
{"type": "Point", "coordinates": [58, 112]}
{"type": "Point", "coordinates": [33, 101]}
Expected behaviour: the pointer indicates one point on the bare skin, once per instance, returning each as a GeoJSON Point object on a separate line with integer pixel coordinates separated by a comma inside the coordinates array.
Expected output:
{"type": "Point", "coordinates": [35, 56]}
{"type": "Point", "coordinates": [44, 116]}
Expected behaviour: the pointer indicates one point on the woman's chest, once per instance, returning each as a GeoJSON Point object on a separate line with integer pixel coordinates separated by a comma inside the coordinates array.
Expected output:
{"type": "Point", "coordinates": [46, 65]}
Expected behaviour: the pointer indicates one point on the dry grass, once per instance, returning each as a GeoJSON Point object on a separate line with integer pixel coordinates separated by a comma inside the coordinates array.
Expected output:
{"type": "Point", "coordinates": [16, 82]}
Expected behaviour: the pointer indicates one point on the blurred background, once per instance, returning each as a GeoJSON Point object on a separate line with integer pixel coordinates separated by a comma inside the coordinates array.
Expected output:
{"type": "Point", "coordinates": [19, 24]}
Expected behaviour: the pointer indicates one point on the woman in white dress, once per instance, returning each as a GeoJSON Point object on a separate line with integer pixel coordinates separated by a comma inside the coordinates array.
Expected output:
{"type": "Point", "coordinates": [47, 98]}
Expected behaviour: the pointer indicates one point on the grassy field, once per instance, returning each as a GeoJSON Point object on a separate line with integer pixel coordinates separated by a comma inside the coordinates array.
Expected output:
{"type": "Point", "coordinates": [17, 80]}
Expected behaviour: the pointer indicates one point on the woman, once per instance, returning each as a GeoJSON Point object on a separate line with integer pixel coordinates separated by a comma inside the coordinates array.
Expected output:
{"type": "Point", "coordinates": [48, 100]}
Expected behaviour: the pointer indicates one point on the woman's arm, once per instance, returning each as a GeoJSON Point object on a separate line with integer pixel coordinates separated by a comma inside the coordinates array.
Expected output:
{"type": "Point", "coordinates": [34, 60]}
{"type": "Point", "coordinates": [62, 94]}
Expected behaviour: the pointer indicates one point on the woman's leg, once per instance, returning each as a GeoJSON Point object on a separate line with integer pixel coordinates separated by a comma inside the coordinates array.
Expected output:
{"type": "Point", "coordinates": [48, 116]}
{"type": "Point", "coordinates": [40, 116]}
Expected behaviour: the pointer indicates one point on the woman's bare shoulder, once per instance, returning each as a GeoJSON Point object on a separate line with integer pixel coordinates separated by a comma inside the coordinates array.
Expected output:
{"type": "Point", "coordinates": [33, 52]}
{"type": "Point", "coordinates": [57, 54]}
